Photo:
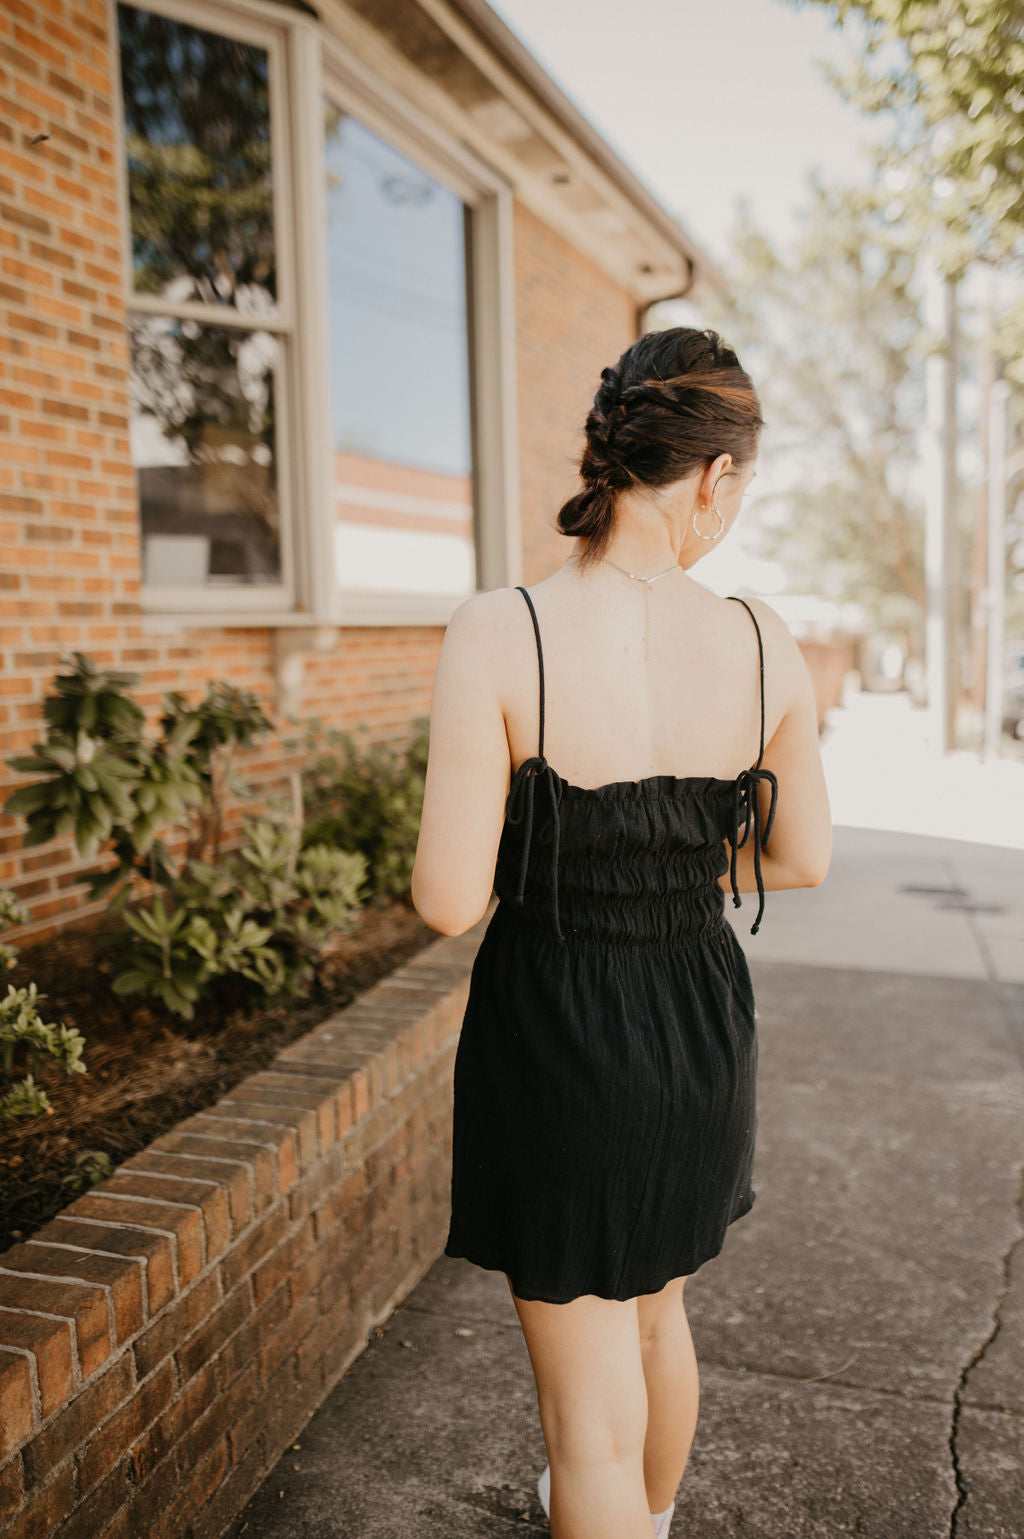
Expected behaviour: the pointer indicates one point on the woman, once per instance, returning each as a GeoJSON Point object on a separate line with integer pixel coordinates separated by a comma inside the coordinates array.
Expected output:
{"type": "Point", "coordinates": [605, 1108]}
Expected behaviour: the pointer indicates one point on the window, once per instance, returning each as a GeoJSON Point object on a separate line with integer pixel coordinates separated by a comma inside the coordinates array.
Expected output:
{"type": "Point", "coordinates": [397, 336]}
{"type": "Point", "coordinates": [209, 335]}
{"type": "Point", "coordinates": [321, 337]}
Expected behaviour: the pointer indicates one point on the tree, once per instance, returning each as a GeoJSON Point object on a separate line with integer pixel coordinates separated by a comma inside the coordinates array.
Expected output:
{"type": "Point", "coordinates": [951, 75]}
{"type": "Point", "coordinates": [833, 336]}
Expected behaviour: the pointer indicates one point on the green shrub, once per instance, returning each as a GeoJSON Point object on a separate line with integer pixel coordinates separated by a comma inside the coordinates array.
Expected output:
{"type": "Point", "coordinates": [262, 915]}
{"type": "Point", "coordinates": [370, 800]}
{"type": "Point", "coordinates": [100, 778]}
{"type": "Point", "coordinates": [23, 1032]}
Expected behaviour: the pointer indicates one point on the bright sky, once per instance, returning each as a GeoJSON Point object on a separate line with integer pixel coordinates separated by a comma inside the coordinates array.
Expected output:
{"type": "Point", "coordinates": [708, 101]}
{"type": "Point", "coordinates": [705, 100]}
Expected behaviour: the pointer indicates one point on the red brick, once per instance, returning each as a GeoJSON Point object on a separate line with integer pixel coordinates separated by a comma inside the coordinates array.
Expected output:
{"type": "Point", "coordinates": [210, 1201]}
{"type": "Point", "coordinates": [89, 1409]}
{"type": "Point", "coordinates": [46, 1510]}
{"type": "Point", "coordinates": [151, 1251]}
{"type": "Point", "coordinates": [176, 1323]}
{"type": "Point", "coordinates": [232, 1179]}
{"type": "Point", "coordinates": [129, 1429]}
{"type": "Point", "coordinates": [85, 1308]}
{"type": "Point", "coordinates": [122, 1278]}
{"type": "Point", "coordinates": [16, 1414]}
{"type": "Point", "coordinates": [183, 1226]}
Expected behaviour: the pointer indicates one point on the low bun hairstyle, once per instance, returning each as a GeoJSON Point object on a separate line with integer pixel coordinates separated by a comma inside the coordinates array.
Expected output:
{"type": "Point", "coordinates": [673, 402]}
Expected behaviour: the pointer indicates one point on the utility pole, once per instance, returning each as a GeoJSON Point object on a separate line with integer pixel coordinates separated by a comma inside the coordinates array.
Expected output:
{"type": "Point", "coordinates": [988, 373]}
{"type": "Point", "coordinates": [995, 593]}
{"type": "Point", "coordinates": [941, 563]}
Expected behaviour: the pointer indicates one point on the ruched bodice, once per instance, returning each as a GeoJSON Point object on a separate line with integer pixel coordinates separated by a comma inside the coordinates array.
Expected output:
{"type": "Point", "coordinates": [605, 1114]}
{"type": "Point", "coordinates": [632, 861]}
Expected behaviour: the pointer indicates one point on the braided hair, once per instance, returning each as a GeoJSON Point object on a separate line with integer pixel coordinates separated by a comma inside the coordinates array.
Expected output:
{"type": "Point", "coordinates": [674, 401]}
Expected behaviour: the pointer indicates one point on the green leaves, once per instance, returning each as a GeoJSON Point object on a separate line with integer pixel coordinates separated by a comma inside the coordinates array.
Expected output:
{"type": "Point", "coordinates": [949, 75]}
{"type": "Point", "coordinates": [100, 779]}
{"type": "Point", "coordinates": [24, 1034]}
{"type": "Point", "coordinates": [367, 800]}
{"type": "Point", "coordinates": [263, 915]}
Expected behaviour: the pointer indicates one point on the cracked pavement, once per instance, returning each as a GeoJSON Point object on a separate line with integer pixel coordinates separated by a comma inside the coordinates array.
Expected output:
{"type": "Point", "coordinates": [861, 1335]}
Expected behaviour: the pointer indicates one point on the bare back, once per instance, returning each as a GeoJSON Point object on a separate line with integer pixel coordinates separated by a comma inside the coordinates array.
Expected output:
{"type": "Point", "coordinates": [693, 708]}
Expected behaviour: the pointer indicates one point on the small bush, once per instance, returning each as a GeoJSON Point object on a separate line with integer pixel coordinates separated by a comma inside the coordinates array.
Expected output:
{"type": "Point", "coordinates": [23, 1032]}
{"type": "Point", "coordinates": [100, 778]}
{"type": "Point", "coordinates": [367, 800]}
{"type": "Point", "coordinates": [262, 915]}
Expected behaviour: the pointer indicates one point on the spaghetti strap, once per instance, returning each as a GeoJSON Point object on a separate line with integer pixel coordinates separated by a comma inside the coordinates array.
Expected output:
{"type": "Point", "coordinates": [760, 655]}
{"type": "Point", "coordinates": [540, 668]}
{"type": "Point", "coordinates": [748, 806]}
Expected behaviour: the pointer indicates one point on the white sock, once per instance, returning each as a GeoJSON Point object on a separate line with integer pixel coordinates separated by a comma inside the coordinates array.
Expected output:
{"type": "Point", "coordinates": [660, 1521]}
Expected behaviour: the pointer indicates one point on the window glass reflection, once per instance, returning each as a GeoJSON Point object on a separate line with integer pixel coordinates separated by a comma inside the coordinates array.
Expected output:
{"type": "Point", "coordinates": [397, 336]}
{"type": "Point", "coordinates": [197, 137]}
{"type": "Point", "coordinates": [203, 443]}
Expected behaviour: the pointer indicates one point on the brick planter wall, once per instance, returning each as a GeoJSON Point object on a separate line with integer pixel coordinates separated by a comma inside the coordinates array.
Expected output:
{"type": "Point", "coordinates": [167, 1335]}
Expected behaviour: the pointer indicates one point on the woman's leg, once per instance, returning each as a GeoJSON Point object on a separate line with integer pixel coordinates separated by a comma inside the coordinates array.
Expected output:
{"type": "Point", "coordinates": [593, 1412]}
{"type": "Point", "coordinates": [673, 1390]}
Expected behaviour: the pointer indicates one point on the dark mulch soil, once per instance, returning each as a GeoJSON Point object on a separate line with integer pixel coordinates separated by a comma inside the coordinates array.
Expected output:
{"type": "Point", "coordinates": [148, 1070]}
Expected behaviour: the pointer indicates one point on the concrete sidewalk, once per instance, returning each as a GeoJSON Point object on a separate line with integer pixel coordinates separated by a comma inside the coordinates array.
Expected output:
{"type": "Point", "coordinates": [861, 1335]}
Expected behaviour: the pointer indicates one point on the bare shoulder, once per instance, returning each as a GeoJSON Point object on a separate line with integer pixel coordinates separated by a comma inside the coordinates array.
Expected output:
{"type": "Point", "coordinates": [483, 637]}
{"type": "Point", "coordinates": [783, 660]}
{"type": "Point", "coordinates": [485, 622]}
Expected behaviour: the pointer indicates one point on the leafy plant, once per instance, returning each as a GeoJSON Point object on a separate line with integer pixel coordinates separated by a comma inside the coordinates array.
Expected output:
{"type": "Point", "coordinates": [100, 778]}
{"type": "Point", "coordinates": [23, 1031]}
{"type": "Point", "coordinates": [262, 915]}
{"type": "Point", "coordinates": [369, 800]}
{"type": "Point", "coordinates": [225, 720]}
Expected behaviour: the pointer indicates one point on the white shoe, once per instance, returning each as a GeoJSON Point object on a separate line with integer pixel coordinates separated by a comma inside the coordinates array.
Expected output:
{"type": "Point", "coordinates": [660, 1522]}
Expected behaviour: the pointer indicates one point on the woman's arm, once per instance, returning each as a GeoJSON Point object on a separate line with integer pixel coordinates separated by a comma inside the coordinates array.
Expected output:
{"type": "Point", "coordinates": [468, 771]}
{"type": "Point", "coordinates": [798, 850]}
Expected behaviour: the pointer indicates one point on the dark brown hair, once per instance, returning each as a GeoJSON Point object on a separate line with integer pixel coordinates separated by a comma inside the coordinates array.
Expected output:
{"type": "Point", "coordinates": [675, 400]}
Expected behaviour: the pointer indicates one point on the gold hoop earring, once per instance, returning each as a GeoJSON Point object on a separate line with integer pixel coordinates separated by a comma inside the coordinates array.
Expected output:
{"type": "Point", "coordinates": [721, 524]}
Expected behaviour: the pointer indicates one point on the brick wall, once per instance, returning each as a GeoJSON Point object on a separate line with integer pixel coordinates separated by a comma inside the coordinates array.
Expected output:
{"type": "Point", "coordinates": [69, 532]}
{"type": "Point", "coordinates": [571, 321]}
{"type": "Point", "coordinates": [166, 1337]}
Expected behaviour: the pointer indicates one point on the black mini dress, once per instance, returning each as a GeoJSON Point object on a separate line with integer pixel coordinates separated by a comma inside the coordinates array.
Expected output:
{"type": "Point", "coordinates": [605, 1076]}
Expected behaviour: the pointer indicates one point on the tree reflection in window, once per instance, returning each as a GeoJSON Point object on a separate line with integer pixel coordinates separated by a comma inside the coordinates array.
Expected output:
{"type": "Point", "coordinates": [197, 136]}
{"type": "Point", "coordinates": [200, 192]}
{"type": "Point", "coordinates": [202, 439]}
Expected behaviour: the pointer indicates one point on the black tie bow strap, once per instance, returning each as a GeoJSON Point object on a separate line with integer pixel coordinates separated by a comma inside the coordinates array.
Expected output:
{"type": "Point", "coordinates": [519, 809]}
{"type": "Point", "coordinates": [747, 806]}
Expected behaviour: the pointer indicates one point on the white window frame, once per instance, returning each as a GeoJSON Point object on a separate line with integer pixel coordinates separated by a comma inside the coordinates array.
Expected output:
{"type": "Point", "coordinates": [305, 63]}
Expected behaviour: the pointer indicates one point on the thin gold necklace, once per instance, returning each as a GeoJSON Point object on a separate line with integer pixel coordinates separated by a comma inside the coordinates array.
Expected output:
{"type": "Point", "coordinates": [647, 581]}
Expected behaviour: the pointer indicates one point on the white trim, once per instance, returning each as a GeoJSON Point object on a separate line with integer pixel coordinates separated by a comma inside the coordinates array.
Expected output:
{"type": "Point", "coordinates": [247, 598]}
{"type": "Point", "coordinates": [315, 534]}
{"type": "Point", "coordinates": [211, 315]}
{"type": "Point", "coordinates": [495, 429]}
{"type": "Point", "coordinates": [385, 109]}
